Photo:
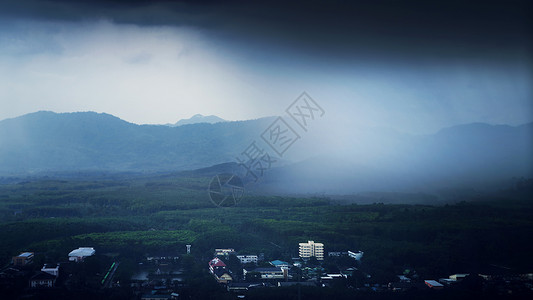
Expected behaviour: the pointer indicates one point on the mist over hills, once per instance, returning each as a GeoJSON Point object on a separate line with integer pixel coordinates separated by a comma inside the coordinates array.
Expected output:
{"type": "Point", "coordinates": [367, 159]}
{"type": "Point", "coordinates": [452, 159]}
{"type": "Point", "coordinates": [465, 157]}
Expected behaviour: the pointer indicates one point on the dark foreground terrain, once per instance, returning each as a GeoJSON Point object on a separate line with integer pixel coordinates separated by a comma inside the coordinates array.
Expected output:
{"type": "Point", "coordinates": [129, 220]}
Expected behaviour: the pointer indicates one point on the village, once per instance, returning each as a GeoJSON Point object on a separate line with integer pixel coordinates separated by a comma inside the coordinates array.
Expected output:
{"type": "Point", "coordinates": [171, 276]}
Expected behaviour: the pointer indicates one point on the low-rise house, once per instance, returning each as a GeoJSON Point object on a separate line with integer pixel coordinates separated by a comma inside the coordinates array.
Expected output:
{"type": "Point", "coordinates": [279, 264]}
{"type": "Point", "coordinates": [216, 263]}
{"type": "Point", "coordinates": [293, 283]}
{"type": "Point", "coordinates": [51, 269]}
{"type": "Point", "coordinates": [242, 286]}
{"type": "Point", "coordinates": [222, 275]}
{"type": "Point", "coordinates": [349, 271]}
{"type": "Point", "coordinates": [81, 253]}
{"type": "Point", "coordinates": [224, 251]}
{"type": "Point", "coordinates": [433, 284]}
{"type": "Point", "coordinates": [356, 255]}
{"type": "Point", "coordinates": [245, 259]}
{"type": "Point", "coordinates": [238, 287]}
{"type": "Point", "coordinates": [447, 281]}
{"type": "Point", "coordinates": [219, 270]}
{"type": "Point", "coordinates": [23, 259]}
{"type": "Point", "coordinates": [338, 275]}
{"type": "Point", "coordinates": [457, 277]}
{"type": "Point", "coordinates": [312, 272]}
{"type": "Point", "coordinates": [332, 276]}
{"type": "Point", "coordinates": [43, 280]}
{"type": "Point", "coordinates": [403, 278]}
{"type": "Point", "coordinates": [268, 273]}
{"type": "Point", "coordinates": [162, 258]}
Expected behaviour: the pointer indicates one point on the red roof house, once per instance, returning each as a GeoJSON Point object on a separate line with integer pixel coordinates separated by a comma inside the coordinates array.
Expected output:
{"type": "Point", "coordinates": [216, 263]}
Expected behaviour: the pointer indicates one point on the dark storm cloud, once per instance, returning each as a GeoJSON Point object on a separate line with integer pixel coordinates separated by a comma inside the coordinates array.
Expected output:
{"type": "Point", "coordinates": [337, 29]}
{"type": "Point", "coordinates": [417, 65]}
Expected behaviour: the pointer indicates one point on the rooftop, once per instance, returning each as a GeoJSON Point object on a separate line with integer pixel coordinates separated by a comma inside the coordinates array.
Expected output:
{"type": "Point", "coordinates": [272, 269]}
{"type": "Point", "coordinates": [278, 262]}
{"type": "Point", "coordinates": [433, 283]}
{"type": "Point", "coordinates": [292, 283]}
{"type": "Point", "coordinates": [51, 266]}
{"type": "Point", "coordinates": [217, 262]}
{"type": "Point", "coordinates": [82, 251]}
{"type": "Point", "coordinates": [243, 284]}
{"type": "Point", "coordinates": [26, 254]}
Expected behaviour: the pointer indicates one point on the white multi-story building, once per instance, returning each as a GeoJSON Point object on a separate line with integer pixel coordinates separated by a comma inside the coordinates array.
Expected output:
{"type": "Point", "coordinates": [311, 249]}
{"type": "Point", "coordinates": [247, 259]}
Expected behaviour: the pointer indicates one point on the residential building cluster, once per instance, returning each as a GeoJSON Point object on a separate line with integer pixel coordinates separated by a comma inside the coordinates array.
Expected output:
{"type": "Point", "coordinates": [161, 276]}
{"type": "Point", "coordinates": [46, 277]}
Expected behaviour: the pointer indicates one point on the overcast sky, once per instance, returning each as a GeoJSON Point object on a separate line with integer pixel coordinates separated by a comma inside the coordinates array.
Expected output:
{"type": "Point", "coordinates": [414, 66]}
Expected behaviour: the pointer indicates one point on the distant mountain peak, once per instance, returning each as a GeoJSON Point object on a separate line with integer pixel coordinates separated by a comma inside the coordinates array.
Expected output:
{"type": "Point", "coordinates": [47, 116]}
{"type": "Point", "coordinates": [199, 118]}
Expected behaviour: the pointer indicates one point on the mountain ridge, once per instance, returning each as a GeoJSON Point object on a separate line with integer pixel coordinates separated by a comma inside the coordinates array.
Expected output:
{"type": "Point", "coordinates": [94, 141]}
{"type": "Point", "coordinates": [45, 141]}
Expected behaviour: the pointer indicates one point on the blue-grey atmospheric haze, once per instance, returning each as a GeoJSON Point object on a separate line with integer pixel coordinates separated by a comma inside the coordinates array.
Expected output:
{"type": "Point", "coordinates": [390, 75]}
